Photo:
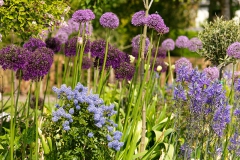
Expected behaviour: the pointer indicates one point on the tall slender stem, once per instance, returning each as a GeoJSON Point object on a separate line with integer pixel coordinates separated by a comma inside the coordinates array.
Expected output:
{"type": "Point", "coordinates": [36, 119]}
{"type": "Point", "coordinates": [12, 117]}
{"type": "Point", "coordinates": [104, 64]}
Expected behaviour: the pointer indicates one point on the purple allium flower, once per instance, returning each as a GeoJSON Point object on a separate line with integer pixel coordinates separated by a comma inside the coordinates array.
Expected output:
{"type": "Point", "coordinates": [182, 42]}
{"type": "Point", "coordinates": [87, 47]}
{"type": "Point", "coordinates": [34, 44]}
{"type": "Point", "coordinates": [124, 71]}
{"type": "Point", "coordinates": [86, 63]}
{"type": "Point", "coordinates": [83, 15]}
{"type": "Point", "coordinates": [183, 62]}
{"type": "Point", "coordinates": [54, 44]}
{"type": "Point", "coordinates": [70, 47]}
{"type": "Point", "coordinates": [194, 44]}
{"type": "Point", "coordinates": [161, 53]}
{"type": "Point", "coordinates": [62, 36]}
{"type": "Point", "coordinates": [109, 20]}
{"type": "Point", "coordinates": [156, 22]}
{"type": "Point", "coordinates": [88, 29]}
{"type": "Point", "coordinates": [14, 57]}
{"type": "Point", "coordinates": [136, 45]}
{"type": "Point", "coordinates": [220, 119]}
{"type": "Point", "coordinates": [98, 48]}
{"type": "Point", "coordinates": [90, 134]}
{"type": "Point", "coordinates": [234, 50]}
{"type": "Point", "coordinates": [212, 73]}
{"type": "Point", "coordinates": [168, 44]}
{"type": "Point", "coordinates": [39, 64]}
{"type": "Point", "coordinates": [139, 19]}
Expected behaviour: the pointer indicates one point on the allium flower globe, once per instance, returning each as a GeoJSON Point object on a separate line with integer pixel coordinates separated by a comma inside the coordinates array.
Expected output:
{"type": "Point", "coordinates": [54, 44]}
{"type": "Point", "coordinates": [182, 42]}
{"type": "Point", "coordinates": [168, 44]}
{"type": "Point", "coordinates": [183, 62]}
{"type": "Point", "coordinates": [156, 22]}
{"type": "Point", "coordinates": [212, 73]}
{"type": "Point", "coordinates": [109, 20]}
{"type": "Point", "coordinates": [14, 57]}
{"type": "Point", "coordinates": [39, 64]}
{"type": "Point", "coordinates": [70, 47]}
{"type": "Point", "coordinates": [139, 19]}
{"type": "Point", "coordinates": [194, 44]}
{"type": "Point", "coordinates": [33, 43]}
{"type": "Point", "coordinates": [234, 50]}
{"type": "Point", "coordinates": [83, 15]}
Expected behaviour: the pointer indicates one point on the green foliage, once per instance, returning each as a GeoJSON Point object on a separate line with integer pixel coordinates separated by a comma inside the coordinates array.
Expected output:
{"type": "Point", "coordinates": [26, 18]}
{"type": "Point", "coordinates": [216, 37]}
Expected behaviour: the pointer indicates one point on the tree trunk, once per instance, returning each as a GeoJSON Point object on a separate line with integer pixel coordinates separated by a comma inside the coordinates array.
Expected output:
{"type": "Point", "coordinates": [225, 9]}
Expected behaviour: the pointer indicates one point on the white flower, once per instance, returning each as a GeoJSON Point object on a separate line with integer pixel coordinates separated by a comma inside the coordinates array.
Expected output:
{"type": "Point", "coordinates": [0, 37]}
{"type": "Point", "coordinates": [1, 2]}
{"type": "Point", "coordinates": [80, 40]}
{"type": "Point", "coordinates": [159, 68]}
{"type": "Point", "coordinates": [66, 10]}
{"type": "Point", "coordinates": [51, 23]}
{"type": "Point", "coordinates": [34, 22]}
{"type": "Point", "coordinates": [132, 58]}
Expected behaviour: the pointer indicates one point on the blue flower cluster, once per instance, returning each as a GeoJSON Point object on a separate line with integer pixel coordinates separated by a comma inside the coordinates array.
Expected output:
{"type": "Point", "coordinates": [74, 101]}
{"type": "Point", "coordinates": [204, 97]}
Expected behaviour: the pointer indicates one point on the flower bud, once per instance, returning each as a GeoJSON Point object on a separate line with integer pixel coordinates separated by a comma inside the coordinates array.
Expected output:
{"type": "Point", "coordinates": [159, 68]}
{"type": "Point", "coordinates": [132, 58]}
{"type": "Point", "coordinates": [80, 40]}
{"type": "Point", "coordinates": [166, 63]}
{"type": "Point", "coordinates": [173, 66]}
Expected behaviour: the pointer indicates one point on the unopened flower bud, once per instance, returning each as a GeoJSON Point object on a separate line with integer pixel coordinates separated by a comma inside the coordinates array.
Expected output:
{"type": "Point", "coordinates": [146, 67]}
{"type": "Point", "coordinates": [166, 63]}
{"type": "Point", "coordinates": [80, 40]}
{"type": "Point", "coordinates": [159, 68]}
{"type": "Point", "coordinates": [173, 66]}
{"type": "Point", "coordinates": [132, 58]}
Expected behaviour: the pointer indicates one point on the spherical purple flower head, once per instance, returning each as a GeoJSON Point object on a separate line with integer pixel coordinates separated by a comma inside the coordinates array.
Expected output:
{"type": "Point", "coordinates": [98, 48]}
{"type": "Point", "coordinates": [83, 15]}
{"type": "Point", "coordinates": [124, 71]}
{"type": "Point", "coordinates": [39, 64]}
{"type": "Point", "coordinates": [212, 73]}
{"type": "Point", "coordinates": [54, 44]}
{"type": "Point", "coordinates": [160, 62]}
{"type": "Point", "coordinates": [86, 63]}
{"type": "Point", "coordinates": [136, 44]}
{"type": "Point", "coordinates": [62, 36]}
{"type": "Point", "coordinates": [70, 47]}
{"type": "Point", "coordinates": [234, 50]}
{"type": "Point", "coordinates": [161, 53]}
{"type": "Point", "coordinates": [182, 42]}
{"type": "Point", "coordinates": [194, 44]}
{"type": "Point", "coordinates": [13, 57]}
{"type": "Point", "coordinates": [109, 20]}
{"type": "Point", "coordinates": [139, 19]}
{"type": "Point", "coordinates": [156, 22]}
{"type": "Point", "coordinates": [183, 62]}
{"type": "Point", "coordinates": [34, 44]}
{"type": "Point", "coordinates": [168, 44]}
{"type": "Point", "coordinates": [71, 27]}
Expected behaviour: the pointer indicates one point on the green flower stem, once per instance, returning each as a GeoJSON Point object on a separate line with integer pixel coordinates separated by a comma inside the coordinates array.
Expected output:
{"type": "Point", "coordinates": [75, 67]}
{"type": "Point", "coordinates": [36, 119]}
{"type": "Point", "coordinates": [81, 55]}
{"type": "Point", "coordinates": [104, 64]}
{"type": "Point", "coordinates": [12, 118]}
{"type": "Point", "coordinates": [66, 68]}
{"type": "Point", "coordinates": [45, 92]}
{"type": "Point", "coordinates": [155, 55]}
{"type": "Point", "coordinates": [170, 66]}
